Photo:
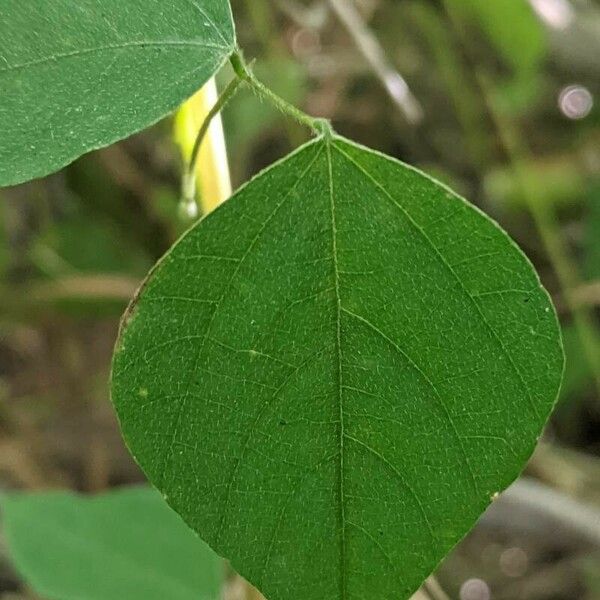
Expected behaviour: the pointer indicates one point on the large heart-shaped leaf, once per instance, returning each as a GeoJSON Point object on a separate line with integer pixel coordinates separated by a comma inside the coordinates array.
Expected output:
{"type": "Point", "coordinates": [77, 75]}
{"type": "Point", "coordinates": [125, 544]}
{"type": "Point", "coordinates": [331, 375]}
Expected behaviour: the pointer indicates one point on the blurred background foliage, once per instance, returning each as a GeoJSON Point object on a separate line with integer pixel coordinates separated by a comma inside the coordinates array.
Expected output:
{"type": "Point", "coordinates": [505, 108]}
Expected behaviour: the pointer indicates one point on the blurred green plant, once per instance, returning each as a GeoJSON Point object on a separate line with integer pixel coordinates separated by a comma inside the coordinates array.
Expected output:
{"type": "Point", "coordinates": [507, 45]}
{"type": "Point", "coordinates": [122, 544]}
{"type": "Point", "coordinates": [511, 26]}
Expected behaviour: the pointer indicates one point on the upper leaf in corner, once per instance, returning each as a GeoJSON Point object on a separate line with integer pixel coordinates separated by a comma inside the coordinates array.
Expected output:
{"type": "Point", "coordinates": [76, 75]}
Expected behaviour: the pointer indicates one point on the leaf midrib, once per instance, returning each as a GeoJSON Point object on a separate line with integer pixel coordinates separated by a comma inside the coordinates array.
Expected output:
{"type": "Point", "coordinates": [341, 432]}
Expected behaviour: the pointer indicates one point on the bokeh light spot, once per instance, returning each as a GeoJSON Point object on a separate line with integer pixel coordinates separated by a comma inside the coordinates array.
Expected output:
{"type": "Point", "coordinates": [514, 562]}
{"type": "Point", "coordinates": [475, 589]}
{"type": "Point", "coordinates": [575, 101]}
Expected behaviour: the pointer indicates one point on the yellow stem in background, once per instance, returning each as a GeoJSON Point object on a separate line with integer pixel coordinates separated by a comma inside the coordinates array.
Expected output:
{"type": "Point", "coordinates": [213, 180]}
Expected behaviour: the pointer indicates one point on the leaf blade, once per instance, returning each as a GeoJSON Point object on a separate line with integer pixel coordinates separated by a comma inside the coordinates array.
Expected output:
{"type": "Point", "coordinates": [344, 371]}
{"type": "Point", "coordinates": [83, 75]}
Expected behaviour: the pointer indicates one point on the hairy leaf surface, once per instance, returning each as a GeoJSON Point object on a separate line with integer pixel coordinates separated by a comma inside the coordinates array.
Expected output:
{"type": "Point", "coordinates": [77, 75]}
{"type": "Point", "coordinates": [332, 374]}
{"type": "Point", "coordinates": [123, 544]}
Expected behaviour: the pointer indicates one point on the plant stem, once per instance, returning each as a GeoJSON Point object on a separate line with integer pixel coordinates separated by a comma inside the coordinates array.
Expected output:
{"type": "Point", "coordinates": [245, 75]}
{"type": "Point", "coordinates": [189, 177]}
{"type": "Point", "coordinates": [317, 125]}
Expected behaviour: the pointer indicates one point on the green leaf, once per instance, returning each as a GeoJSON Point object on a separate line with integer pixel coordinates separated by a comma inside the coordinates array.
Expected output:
{"type": "Point", "coordinates": [124, 544]}
{"type": "Point", "coordinates": [78, 75]}
{"type": "Point", "coordinates": [332, 374]}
